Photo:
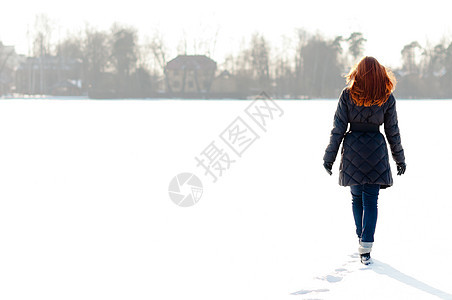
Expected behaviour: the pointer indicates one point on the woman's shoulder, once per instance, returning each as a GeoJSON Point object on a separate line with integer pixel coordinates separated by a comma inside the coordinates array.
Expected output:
{"type": "Point", "coordinates": [345, 94]}
{"type": "Point", "coordinates": [391, 99]}
{"type": "Point", "coordinates": [389, 103]}
{"type": "Point", "coordinates": [345, 90]}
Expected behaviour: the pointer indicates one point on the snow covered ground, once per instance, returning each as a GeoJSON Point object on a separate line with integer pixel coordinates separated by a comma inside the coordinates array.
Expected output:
{"type": "Point", "coordinates": [85, 211]}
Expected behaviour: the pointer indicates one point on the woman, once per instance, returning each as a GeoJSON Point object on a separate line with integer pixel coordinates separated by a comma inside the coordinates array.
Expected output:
{"type": "Point", "coordinates": [366, 103]}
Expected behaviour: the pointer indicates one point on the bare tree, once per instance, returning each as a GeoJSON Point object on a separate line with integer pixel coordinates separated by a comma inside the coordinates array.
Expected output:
{"type": "Point", "coordinates": [159, 50]}
{"type": "Point", "coordinates": [410, 57]}
{"type": "Point", "coordinates": [410, 82]}
{"type": "Point", "coordinates": [6, 68]}
{"type": "Point", "coordinates": [96, 54]}
{"type": "Point", "coordinates": [42, 34]}
{"type": "Point", "coordinates": [356, 43]}
{"type": "Point", "coordinates": [322, 69]}
{"type": "Point", "coordinates": [302, 37]}
{"type": "Point", "coordinates": [124, 49]}
{"type": "Point", "coordinates": [182, 48]}
{"type": "Point", "coordinates": [206, 41]}
{"type": "Point", "coordinates": [260, 60]}
{"type": "Point", "coordinates": [447, 78]}
{"type": "Point", "coordinates": [70, 47]}
{"type": "Point", "coordinates": [69, 52]}
{"type": "Point", "coordinates": [5, 55]}
{"type": "Point", "coordinates": [282, 68]}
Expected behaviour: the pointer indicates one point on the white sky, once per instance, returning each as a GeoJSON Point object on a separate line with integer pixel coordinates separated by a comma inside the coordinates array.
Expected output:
{"type": "Point", "coordinates": [387, 25]}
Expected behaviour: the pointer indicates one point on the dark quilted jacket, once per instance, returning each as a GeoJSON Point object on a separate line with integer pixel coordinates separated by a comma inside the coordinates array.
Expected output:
{"type": "Point", "coordinates": [364, 155]}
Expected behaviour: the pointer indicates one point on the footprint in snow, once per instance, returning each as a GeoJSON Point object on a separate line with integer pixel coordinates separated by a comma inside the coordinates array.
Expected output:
{"type": "Point", "coordinates": [337, 275]}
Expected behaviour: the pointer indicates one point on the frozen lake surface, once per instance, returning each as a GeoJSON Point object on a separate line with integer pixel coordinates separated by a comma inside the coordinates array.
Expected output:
{"type": "Point", "coordinates": [85, 211]}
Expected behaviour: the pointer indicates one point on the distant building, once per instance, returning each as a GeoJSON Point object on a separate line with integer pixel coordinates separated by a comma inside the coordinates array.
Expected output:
{"type": "Point", "coordinates": [190, 75]}
{"type": "Point", "coordinates": [50, 75]}
{"type": "Point", "coordinates": [224, 86]}
{"type": "Point", "coordinates": [9, 61]}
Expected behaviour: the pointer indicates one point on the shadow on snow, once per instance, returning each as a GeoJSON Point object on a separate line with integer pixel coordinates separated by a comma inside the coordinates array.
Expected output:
{"type": "Point", "coordinates": [379, 268]}
{"type": "Point", "coordinates": [385, 269]}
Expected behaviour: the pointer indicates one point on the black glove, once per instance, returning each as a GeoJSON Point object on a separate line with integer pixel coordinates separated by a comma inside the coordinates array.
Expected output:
{"type": "Point", "coordinates": [328, 166]}
{"type": "Point", "coordinates": [401, 167]}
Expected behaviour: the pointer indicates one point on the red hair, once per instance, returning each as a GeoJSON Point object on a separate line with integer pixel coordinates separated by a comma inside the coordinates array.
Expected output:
{"type": "Point", "coordinates": [370, 83]}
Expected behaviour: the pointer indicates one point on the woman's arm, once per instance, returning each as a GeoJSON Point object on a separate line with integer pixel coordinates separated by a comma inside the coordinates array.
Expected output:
{"type": "Point", "coordinates": [392, 132]}
{"type": "Point", "coordinates": [339, 128]}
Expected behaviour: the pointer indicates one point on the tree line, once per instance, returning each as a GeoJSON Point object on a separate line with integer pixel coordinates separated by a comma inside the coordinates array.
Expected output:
{"type": "Point", "coordinates": [115, 63]}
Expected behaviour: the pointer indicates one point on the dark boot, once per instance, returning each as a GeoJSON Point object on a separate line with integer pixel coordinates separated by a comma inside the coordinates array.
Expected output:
{"type": "Point", "coordinates": [364, 251]}
{"type": "Point", "coordinates": [366, 259]}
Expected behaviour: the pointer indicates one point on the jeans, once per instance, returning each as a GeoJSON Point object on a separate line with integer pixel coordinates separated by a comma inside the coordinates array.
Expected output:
{"type": "Point", "coordinates": [365, 211]}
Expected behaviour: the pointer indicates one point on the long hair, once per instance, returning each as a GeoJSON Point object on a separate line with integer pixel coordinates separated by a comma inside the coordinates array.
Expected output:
{"type": "Point", "coordinates": [370, 83]}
